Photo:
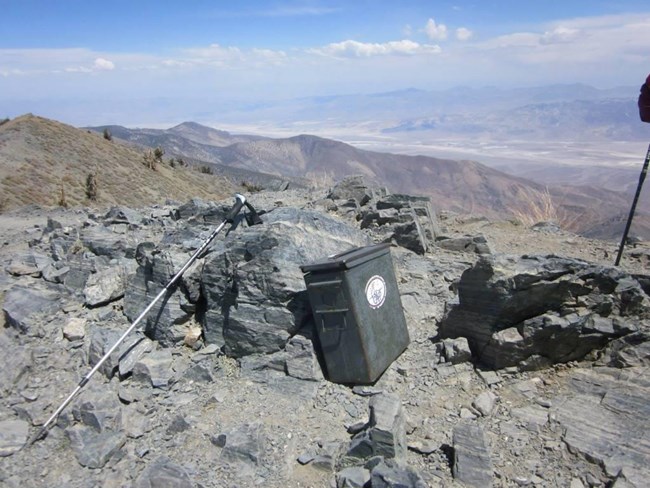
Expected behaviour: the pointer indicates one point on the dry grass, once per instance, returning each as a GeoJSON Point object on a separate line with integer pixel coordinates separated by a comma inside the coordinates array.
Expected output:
{"type": "Point", "coordinates": [251, 187]}
{"type": "Point", "coordinates": [539, 206]}
{"type": "Point", "coordinates": [40, 158]}
{"type": "Point", "coordinates": [320, 180]}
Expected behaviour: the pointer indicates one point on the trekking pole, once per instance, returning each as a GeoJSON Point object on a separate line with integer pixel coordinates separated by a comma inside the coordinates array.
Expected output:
{"type": "Point", "coordinates": [230, 217]}
{"type": "Point", "coordinates": [642, 176]}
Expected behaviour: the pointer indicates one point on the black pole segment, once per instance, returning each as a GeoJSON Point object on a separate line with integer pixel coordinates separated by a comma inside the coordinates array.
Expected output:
{"type": "Point", "coordinates": [642, 176]}
{"type": "Point", "coordinates": [252, 217]}
{"type": "Point", "coordinates": [241, 200]}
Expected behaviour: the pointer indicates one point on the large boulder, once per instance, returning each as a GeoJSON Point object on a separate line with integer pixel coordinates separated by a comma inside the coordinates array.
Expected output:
{"type": "Point", "coordinates": [253, 287]}
{"type": "Point", "coordinates": [541, 309]}
{"type": "Point", "coordinates": [248, 292]}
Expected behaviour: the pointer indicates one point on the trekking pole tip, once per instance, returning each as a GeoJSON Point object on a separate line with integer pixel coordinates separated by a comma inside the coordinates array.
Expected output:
{"type": "Point", "coordinates": [40, 435]}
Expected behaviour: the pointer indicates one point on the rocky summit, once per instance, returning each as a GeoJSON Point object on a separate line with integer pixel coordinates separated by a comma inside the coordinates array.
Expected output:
{"type": "Point", "coordinates": [528, 363]}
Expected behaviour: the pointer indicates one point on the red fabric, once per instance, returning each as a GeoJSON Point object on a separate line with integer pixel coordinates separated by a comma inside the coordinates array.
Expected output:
{"type": "Point", "coordinates": [644, 101]}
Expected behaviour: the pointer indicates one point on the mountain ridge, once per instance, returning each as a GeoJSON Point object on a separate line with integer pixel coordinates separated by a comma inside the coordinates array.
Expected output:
{"type": "Point", "coordinates": [44, 162]}
{"type": "Point", "coordinates": [456, 185]}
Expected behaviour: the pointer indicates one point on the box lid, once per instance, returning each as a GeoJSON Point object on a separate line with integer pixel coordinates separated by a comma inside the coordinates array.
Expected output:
{"type": "Point", "coordinates": [347, 259]}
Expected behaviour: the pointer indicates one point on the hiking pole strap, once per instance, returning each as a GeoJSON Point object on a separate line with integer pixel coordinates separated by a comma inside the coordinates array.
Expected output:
{"type": "Point", "coordinates": [642, 176]}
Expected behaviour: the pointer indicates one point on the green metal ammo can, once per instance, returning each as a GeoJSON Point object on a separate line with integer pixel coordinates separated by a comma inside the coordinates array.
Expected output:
{"type": "Point", "coordinates": [358, 313]}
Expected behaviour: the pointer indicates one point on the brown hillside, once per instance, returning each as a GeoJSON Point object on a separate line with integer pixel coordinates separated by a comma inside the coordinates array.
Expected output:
{"type": "Point", "coordinates": [462, 186]}
{"type": "Point", "coordinates": [40, 157]}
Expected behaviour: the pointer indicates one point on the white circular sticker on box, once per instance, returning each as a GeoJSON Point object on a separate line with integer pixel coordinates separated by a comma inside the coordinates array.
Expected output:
{"type": "Point", "coordinates": [376, 291]}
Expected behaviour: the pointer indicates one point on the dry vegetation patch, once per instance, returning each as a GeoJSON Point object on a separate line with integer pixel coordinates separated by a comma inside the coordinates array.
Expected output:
{"type": "Point", "coordinates": [41, 160]}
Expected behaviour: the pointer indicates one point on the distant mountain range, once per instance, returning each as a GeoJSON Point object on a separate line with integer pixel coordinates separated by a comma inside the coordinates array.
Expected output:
{"type": "Point", "coordinates": [574, 112]}
{"type": "Point", "coordinates": [612, 119]}
{"type": "Point", "coordinates": [41, 158]}
{"type": "Point", "coordinates": [463, 186]}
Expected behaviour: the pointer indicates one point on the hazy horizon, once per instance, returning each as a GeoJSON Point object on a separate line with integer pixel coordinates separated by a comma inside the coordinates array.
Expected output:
{"type": "Point", "coordinates": [111, 59]}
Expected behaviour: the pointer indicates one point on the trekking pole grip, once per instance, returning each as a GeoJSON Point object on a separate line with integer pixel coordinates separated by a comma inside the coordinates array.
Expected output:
{"type": "Point", "coordinates": [240, 201]}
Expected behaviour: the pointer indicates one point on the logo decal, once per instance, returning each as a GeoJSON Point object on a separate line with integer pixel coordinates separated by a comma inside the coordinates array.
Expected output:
{"type": "Point", "coordinates": [376, 291]}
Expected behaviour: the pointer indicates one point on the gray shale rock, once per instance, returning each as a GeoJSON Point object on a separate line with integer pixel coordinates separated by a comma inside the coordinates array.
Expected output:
{"type": "Point", "coordinates": [407, 220]}
{"type": "Point", "coordinates": [99, 409]}
{"type": "Point", "coordinates": [30, 263]}
{"type": "Point", "coordinates": [385, 434]}
{"type": "Point", "coordinates": [511, 308]}
{"type": "Point", "coordinates": [163, 473]}
{"type": "Point", "coordinates": [353, 188]}
{"type": "Point", "coordinates": [137, 347]}
{"type": "Point", "coordinates": [388, 474]}
{"type": "Point", "coordinates": [253, 286]}
{"type": "Point", "coordinates": [124, 215]}
{"type": "Point", "coordinates": [166, 322]}
{"type": "Point", "coordinates": [355, 477]}
{"type": "Point", "coordinates": [456, 351]}
{"type": "Point", "coordinates": [102, 241]}
{"type": "Point", "coordinates": [631, 350]}
{"type": "Point", "coordinates": [101, 340]}
{"type": "Point", "coordinates": [302, 362]}
{"type": "Point", "coordinates": [15, 362]}
{"type": "Point", "coordinates": [13, 436]}
{"type": "Point", "coordinates": [23, 306]}
{"type": "Point", "coordinates": [107, 285]}
{"type": "Point", "coordinates": [155, 369]}
{"type": "Point", "coordinates": [243, 446]}
{"type": "Point", "coordinates": [470, 244]}
{"type": "Point", "coordinates": [605, 417]}
{"type": "Point", "coordinates": [93, 449]}
{"type": "Point", "coordinates": [485, 403]}
{"type": "Point", "coordinates": [472, 460]}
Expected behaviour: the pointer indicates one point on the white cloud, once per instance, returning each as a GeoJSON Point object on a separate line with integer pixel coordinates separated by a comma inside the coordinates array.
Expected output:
{"type": "Point", "coordinates": [603, 51]}
{"type": "Point", "coordinates": [559, 34]}
{"type": "Point", "coordinates": [102, 64]}
{"type": "Point", "coordinates": [613, 40]}
{"type": "Point", "coordinates": [77, 69]}
{"type": "Point", "coordinates": [212, 54]}
{"type": "Point", "coordinates": [268, 55]}
{"type": "Point", "coordinates": [436, 31]}
{"type": "Point", "coordinates": [226, 57]}
{"type": "Point", "coordinates": [356, 49]}
{"type": "Point", "coordinates": [463, 34]}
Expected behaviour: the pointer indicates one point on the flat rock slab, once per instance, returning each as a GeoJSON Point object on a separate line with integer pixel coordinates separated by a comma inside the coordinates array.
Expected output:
{"type": "Point", "coordinates": [472, 463]}
{"type": "Point", "coordinates": [13, 436]}
{"type": "Point", "coordinates": [93, 449]}
{"type": "Point", "coordinates": [154, 369]}
{"type": "Point", "coordinates": [14, 363]}
{"type": "Point", "coordinates": [606, 420]}
{"type": "Point", "coordinates": [21, 304]}
{"type": "Point", "coordinates": [164, 473]}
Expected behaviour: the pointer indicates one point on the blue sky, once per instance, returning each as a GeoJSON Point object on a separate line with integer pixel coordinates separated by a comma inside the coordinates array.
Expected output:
{"type": "Point", "coordinates": [73, 51]}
